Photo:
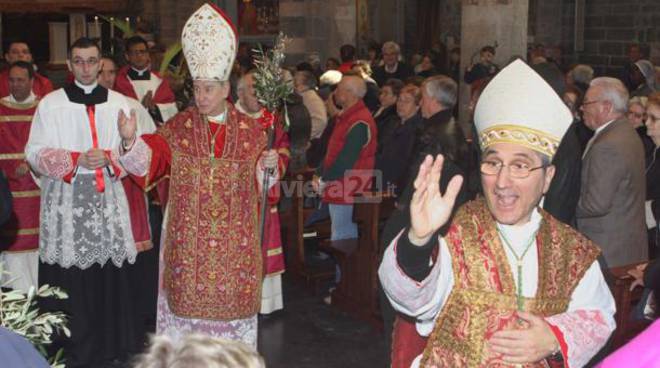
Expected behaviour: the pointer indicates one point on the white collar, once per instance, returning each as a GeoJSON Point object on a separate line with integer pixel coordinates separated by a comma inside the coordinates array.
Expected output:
{"type": "Point", "coordinates": [30, 99]}
{"type": "Point", "coordinates": [600, 128]}
{"type": "Point", "coordinates": [391, 70]}
{"type": "Point", "coordinates": [141, 71]}
{"type": "Point", "coordinates": [518, 235]}
{"type": "Point", "coordinates": [88, 89]}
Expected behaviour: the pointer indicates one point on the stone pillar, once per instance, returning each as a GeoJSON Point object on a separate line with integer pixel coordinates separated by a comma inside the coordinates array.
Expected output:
{"type": "Point", "coordinates": [486, 22]}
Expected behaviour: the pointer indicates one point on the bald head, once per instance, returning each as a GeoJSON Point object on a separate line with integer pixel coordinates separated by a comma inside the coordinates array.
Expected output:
{"type": "Point", "coordinates": [350, 90]}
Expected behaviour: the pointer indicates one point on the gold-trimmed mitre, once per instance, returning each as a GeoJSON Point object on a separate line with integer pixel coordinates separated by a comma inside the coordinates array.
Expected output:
{"type": "Point", "coordinates": [209, 41]}
{"type": "Point", "coordinates": [519, 106]}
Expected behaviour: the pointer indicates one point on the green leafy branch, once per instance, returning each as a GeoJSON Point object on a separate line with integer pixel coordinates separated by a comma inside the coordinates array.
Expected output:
{"type": "Point", "coordinates": [19, 313]}
{"type": "Point", "coordinates": [271, 89]}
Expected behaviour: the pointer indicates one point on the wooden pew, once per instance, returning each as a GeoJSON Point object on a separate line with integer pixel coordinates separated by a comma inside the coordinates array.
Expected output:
{"type": "Point", "coordinates": [625, 300]}
{"type": "Point", "coordinates": [358, 259]}
{"type": "Point", "coordinates": [294, 232]}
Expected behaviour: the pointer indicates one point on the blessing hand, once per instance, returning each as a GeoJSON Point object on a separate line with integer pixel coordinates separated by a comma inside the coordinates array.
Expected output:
{"type": "Point", "coordinates": [430, 209]}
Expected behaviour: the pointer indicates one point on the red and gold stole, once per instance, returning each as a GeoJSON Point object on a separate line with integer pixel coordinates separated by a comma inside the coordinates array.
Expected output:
{"type": "Point", "coordinates": [483, 299]}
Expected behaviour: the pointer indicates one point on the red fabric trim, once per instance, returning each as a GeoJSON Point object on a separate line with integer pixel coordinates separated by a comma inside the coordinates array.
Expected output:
{"type": "Point", "coordinates": [227, 19]}
{"type": "Point", "coordinates": [407, 343]}
{"type": "Point", "coordinates": [562, 343]}
{"type": "Point", "coordinates": [116, 169]}
{"type": "Point", "coordinates": [161, 159]}
{"type": "Point", "coordinates": [91, 113]}
{"type": "Point", "coordinates": [74, 164]}
{"type": "Point", "coordinates": [123, 85]}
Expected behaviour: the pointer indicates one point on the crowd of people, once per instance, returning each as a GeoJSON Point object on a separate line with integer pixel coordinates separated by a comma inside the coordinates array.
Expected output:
{"type": "Point", "coordinates": [145, 208]}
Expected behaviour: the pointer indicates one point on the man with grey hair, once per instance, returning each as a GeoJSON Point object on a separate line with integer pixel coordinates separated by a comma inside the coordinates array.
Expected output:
{"type": "Point", "coordinates": [440, 132]}
{"type": "Point", "coordinates": [392, 67]}
{"type": "Point", "coordinates": [580, 76]}
{"type": "Point", "coordinates": [304, 83]}
{"type": "Point", "coordinates": [611, 207]}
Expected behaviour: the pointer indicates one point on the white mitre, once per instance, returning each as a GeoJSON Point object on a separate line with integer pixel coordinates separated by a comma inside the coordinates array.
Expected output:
{"type": "Point", "coordinates": [209, 41]}
{"type": "Point", "coordinates": [519, 106]}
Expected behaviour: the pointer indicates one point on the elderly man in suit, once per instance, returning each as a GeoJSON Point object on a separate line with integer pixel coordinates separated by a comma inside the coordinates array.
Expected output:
{"type": "Point", "coordinates": [611, 206]}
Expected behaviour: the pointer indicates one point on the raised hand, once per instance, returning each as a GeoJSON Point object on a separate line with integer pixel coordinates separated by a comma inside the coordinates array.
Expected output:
{"type": "Point", "coordinates": [127, 125]}
{"type": "Point", "coordinates": [430, 209]}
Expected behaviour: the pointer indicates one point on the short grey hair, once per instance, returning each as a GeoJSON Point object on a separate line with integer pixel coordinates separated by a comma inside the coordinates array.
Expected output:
{"type": "Point", "coordinates": [613, 91]}
{"type": "Point", "coordinates": [391, 46]}
{"type": "Point", "coordinates": [442, 88]}
{"type": "Point", "coordinates": [199, 351]}
{"type": "Point", "coordinates": [582, 73]}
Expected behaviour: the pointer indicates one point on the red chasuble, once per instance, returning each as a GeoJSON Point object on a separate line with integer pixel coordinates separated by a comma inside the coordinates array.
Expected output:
{"type": "Point", "coordinates": [21, 232]}
{"type": "Point", "coordinates": [213, 264]}
{"type": "Point", "coordinates": [41, 86]}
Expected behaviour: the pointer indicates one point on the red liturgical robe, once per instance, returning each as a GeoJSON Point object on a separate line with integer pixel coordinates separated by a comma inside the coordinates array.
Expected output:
{"type": "Point", "coordinates": [22, 231]}
{"type": "Point", "coordinates": [213, 266]}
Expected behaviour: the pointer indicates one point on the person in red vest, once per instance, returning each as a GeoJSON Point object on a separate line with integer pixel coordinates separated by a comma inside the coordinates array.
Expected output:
{"type": "Point", "coordinates": [347, 169]}
{"type": "Point", "coordinates": [20, 51]}
{"type": "Point", "coordinates": [19, 239]}
{"type": "Point", "coordinates": [138, 81]}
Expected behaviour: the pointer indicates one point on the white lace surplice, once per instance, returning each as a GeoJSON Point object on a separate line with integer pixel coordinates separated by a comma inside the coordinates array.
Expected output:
{"type": "Point", "coordinates": [80, 226]}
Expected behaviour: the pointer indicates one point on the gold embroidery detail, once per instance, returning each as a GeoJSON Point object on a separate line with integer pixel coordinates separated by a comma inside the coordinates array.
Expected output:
{"type": "Point", "coordinates": [274, 252]}
{"type": "Point", "coordinates": [531, 138]}
{"type": "Point", "coordinates": [26, 194]}
{"type": "Point", "coordinates": [18, 105]}
{"type": "Point", "coordinates": [12, 156]}
{"type": "Point", "coordinates": [31, 231]}
{"type": "Point", "coordinates": [16, 118]}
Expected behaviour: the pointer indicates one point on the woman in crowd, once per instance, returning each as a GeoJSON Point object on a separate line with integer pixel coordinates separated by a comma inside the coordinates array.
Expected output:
{"type": "Point", "coordinates": [426, 68]}
{"type": "Point", "coordinates": [394, 159]}
{"type": "Point", "coordinates": [637, 116]}
{"type": "Point", "coordinates": [386, 116]}
{"type": "Point", "coordinates": [653, 169]}
{"type": "Point", "coordinates": [644, 76]}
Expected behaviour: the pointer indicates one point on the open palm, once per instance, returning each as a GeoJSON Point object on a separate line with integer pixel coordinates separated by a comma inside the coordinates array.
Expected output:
{"type": "Point", "coordinates": [127, 125]}
{"type": "Point", "coordinates": [430, 209]}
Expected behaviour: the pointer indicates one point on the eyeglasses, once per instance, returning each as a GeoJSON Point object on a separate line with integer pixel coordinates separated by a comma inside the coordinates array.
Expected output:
{"type": "Point", "coordinates": [518, 170]}
{"type": "Point", "coordinates": [81, 62]}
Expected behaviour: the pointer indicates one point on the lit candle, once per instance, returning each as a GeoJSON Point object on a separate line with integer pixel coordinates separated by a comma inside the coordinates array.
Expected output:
{"type": "Point", "coordinates": [128, 21]}
{"type": "Point", "coordinates": [112, 35]}
{"type": "Point", "coordinates": [97, 29]}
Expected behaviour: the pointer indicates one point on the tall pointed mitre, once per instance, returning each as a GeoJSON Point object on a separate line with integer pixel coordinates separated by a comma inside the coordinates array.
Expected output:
{"type": "Point", "coordinates": [209, 41]}
{"type": "Point", "coordinates": [519, 106]}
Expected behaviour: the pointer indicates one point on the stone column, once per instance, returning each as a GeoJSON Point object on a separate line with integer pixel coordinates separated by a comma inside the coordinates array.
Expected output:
{"type": "Point", "coordinates": [485, 22]}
